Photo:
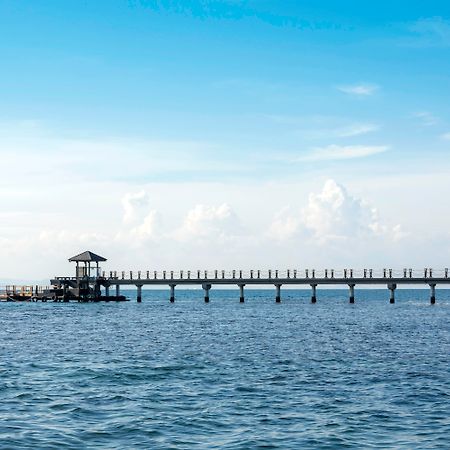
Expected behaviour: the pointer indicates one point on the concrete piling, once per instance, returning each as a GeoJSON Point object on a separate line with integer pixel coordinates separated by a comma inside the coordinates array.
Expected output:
{"type": "Point", "coordinates": [206, 288]}
{"type": "Point", "coordinates": [172, 293]}
{"type": "Point", "coordinates": [241, 293]}
{"type": "Point", "coordinates": [432, 293]}
{"type": "Point", "coordinates": [313, 293]}
{"type": "Point", "coordinates": [139, 293]}
{"type": "Point", "coordinates": [351, 288]}
{"type": "Point", "coordinates": [278, 293]}
{"type": "Point", "coordinates": [392, 288]}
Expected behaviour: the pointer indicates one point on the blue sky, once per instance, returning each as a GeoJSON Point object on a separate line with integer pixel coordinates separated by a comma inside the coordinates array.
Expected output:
{"type": "Point", "coordinates": [221, 95]}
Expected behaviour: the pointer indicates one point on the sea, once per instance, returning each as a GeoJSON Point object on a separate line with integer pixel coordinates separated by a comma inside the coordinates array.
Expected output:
{"type": "Point", "coordinates": [225, 375]}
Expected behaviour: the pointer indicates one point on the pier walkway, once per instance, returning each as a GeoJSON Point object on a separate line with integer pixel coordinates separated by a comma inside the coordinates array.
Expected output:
{"type": "Point", "coordinates": [293, 277]}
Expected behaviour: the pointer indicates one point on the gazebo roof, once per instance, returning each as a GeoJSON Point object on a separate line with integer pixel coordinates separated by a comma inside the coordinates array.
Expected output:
{"type": "Point", "coordinates": [87, 257]}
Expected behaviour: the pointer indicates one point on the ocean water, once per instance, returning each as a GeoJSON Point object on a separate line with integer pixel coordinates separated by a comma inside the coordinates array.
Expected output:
{"type": "Point", "coordinates": [191, 375]}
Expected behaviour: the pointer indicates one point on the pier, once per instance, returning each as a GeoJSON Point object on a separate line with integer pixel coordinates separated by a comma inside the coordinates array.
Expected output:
{"type": "Point", "coordinates": [89, 280]}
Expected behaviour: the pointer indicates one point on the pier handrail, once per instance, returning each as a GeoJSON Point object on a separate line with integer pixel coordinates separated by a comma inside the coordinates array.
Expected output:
{"type": "Point", "coordinates": [273, 274]}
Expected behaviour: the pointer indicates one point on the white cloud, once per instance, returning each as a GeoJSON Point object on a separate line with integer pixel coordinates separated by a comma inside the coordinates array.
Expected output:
{"type": "Point", "coordinates": [285, 225]}
{"type": "Point", "coordinates": [426, 118]}
{"type": "Point", "coordinates": [361, 90]}
{"type": "Point", "coordinates": [132, 203]}
{"type": "Point", "coordinates": [446, 136]}
{"type": "Point", "coordinates": [357, 129]}
{"type": "Point", "coordinates": [431, 31]}
{"type": "Point", "coordinates": [209, 222]}
{"type": "Point", "coordinates": [339, 152]}
{"type": "Point", "coordinates": [333, 215]}
{"type": "Point", "coordinates": [150, 228]}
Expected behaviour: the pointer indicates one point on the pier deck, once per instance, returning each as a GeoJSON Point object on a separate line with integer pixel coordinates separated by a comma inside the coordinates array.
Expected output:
{"type": "Point", "coordinates": [313, 278]}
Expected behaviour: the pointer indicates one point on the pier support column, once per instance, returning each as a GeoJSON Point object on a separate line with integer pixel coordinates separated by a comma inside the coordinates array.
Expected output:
{"type": "Point", "coordinates": [139, 293]}
{"type": "Point", "coordinates": [278, 293]}
{"type": "Point", "coordinates": [117, 290]}
{"type": "Point", "coordinates": [65, 297]}
{"type": "Point", "coordinates": [351, 288]}
{"type": "Point", "coordinates": [241, 293]}
{"type": "Point", "coordinates": [172, 293]}
{"type": "Point", "coordinates": [432, 293]}
{"type": "Point", "coordinates": [313, 293]}
{"type": "Point", "coordinates": [392, 288]}
{"type": "Point", "coordinates": [106, 290]}
{"type": "Point", "coordinates": [206, 288]}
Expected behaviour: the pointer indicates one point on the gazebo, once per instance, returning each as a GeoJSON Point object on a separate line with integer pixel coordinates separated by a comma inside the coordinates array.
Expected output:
{"type": "Point", "coordinates": [87, 258]}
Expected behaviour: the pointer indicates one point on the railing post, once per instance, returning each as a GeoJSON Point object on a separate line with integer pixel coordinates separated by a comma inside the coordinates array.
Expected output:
{"type": "Point", "coordinates": [251, 273]}
{"type": "Point", "coordinates": [198, 274]}
{"type": "Point", "coordinates": [270, 274]}
{"type": "Point", "coordinates": [259, 274]}
{"type": "Point", "coordinates": [288, 273]}
{"type": "Point", "coordinates": [139, 274]}
{"type": "Point", "coordinates": [295, 273]}
{"type": "Point", "coordinates": [223, 274]}
{"type": "Point", "coordinates": [131, 275]}
{"type": "Point", "coordinates": [215, 274]}
{"type": "Point", "coordinates": [306, 273]}
{"type": "Point", "coordinates": [181, 274]}
{"type": "Point", "coordinates": [446, 273]}
{"type": "Point", "coordinates": [410, 273]}
{"type": "Point", "coordinates": [155, 274]}
{"type": "Point", "coordinates": [189, 274]}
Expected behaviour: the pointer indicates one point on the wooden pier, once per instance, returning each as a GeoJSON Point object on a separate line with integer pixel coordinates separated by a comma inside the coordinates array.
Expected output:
{"type": "Point", "coordinates": [88, 286]}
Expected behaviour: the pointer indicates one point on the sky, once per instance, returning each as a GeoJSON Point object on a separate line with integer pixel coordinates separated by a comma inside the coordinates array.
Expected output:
{"type": "Point", "coordinates": [224, 134]}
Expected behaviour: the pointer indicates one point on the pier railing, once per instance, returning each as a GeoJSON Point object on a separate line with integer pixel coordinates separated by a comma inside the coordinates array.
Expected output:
{"type": "Point", "coordinates": [274, 274]}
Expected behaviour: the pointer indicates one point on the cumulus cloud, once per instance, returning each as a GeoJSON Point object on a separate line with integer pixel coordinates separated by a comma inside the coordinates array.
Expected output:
{"type": "Point", "coordinates": [150, 228]}
{"type": "Point", "coordinates": [132, 204]}
{"type": "Point", "coordinates": [333, 214]}
{"type": "Point", "coordinates": [207, 222]}
{"type": "Point", "coordinates": [361, 90]}
{"type": "Point", "coordinates": [339, 152]}
{"type": "Point", "coordinates": [285, 225]}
